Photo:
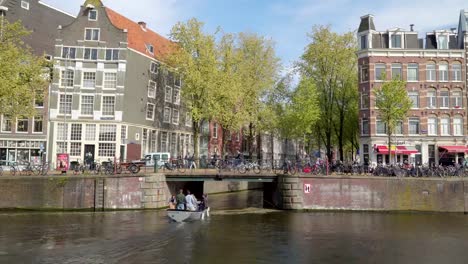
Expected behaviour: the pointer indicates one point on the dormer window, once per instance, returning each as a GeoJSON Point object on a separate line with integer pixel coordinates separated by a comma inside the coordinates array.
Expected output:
{"type": "Point", "coordinates": [150, 48]}
{"type": "Point", "coordinates": [396, 41]}
{"type": "Point", "coordinates": [92, 15]}
{"type": "Point", "coordinates": [364, 42]}
{"type": "Point", "coordinates": [442, 42]}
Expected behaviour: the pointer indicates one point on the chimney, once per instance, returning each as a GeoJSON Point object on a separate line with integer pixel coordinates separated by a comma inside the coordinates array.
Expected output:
{"type": "Point", "coordinates": [411, 27]}
{"type": "Point", "coordinates": [142, 25]}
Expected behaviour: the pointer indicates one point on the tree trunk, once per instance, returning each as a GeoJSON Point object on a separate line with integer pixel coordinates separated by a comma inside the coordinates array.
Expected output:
{"type": "Point", "coordinates": [196, 149]}
{"type": "Point", "coordinates": [224, 150]}
{"type": "Point", "coordinates": [259, 147]}
{"type": "Point", "coordinates": [251, 140]}
{"type": "Point", "coordinates": [389, 148]}
{"type": "Point", "coordinates": [272, 150]}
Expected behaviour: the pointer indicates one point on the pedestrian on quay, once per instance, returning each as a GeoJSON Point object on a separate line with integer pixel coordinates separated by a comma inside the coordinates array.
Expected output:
{"type": "Point", "coordinates": [180, 199]}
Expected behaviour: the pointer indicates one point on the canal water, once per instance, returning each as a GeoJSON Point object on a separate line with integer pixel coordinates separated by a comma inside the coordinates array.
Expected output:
{"type": "Point", "coordinates": [237, 232]}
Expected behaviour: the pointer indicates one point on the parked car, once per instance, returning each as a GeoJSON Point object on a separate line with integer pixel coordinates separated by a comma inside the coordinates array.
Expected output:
{"type": "Point", "coordinates": [161, 157]}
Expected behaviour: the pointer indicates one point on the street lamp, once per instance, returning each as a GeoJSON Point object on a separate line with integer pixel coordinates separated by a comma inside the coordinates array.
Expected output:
{"type": "Point", "coordinates": [3, 11]}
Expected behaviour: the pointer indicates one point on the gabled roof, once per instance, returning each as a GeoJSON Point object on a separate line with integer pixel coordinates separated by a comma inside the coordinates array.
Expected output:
{"type": "Point", "coordinates": [139, 37]}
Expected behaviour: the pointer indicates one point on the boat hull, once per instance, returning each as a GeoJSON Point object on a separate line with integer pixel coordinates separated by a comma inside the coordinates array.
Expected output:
{"type": "Point", "coordinates": [187, 216]}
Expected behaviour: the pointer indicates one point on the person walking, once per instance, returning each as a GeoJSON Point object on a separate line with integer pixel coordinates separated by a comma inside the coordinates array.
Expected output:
{"type": "Point", "coordinates": [180, 199]}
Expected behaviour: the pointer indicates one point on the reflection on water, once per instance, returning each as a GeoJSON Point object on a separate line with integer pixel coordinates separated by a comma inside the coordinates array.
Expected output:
{"type": "Point", "coordinates": [238, 236]}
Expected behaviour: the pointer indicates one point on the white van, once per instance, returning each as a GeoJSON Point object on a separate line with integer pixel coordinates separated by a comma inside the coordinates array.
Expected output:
{"type": "Point", "coordinates": [162, 158]}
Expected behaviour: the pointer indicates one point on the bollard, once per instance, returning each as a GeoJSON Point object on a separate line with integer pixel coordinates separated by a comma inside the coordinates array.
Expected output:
{"type": "Point", "coordinates": [156, 167]}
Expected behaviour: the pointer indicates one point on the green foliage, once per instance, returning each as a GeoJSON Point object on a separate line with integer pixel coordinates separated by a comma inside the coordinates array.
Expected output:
{"type": "Point", "coordinates": [392, 102]}
{"type": "Point", "coordinates": [330, 61]}
{"type": "Point", "coordinates": [23, 76]}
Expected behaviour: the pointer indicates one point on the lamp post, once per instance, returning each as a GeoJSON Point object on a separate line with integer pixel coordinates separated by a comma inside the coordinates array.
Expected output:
{"type": "Point", "coordinates": [3, 11]}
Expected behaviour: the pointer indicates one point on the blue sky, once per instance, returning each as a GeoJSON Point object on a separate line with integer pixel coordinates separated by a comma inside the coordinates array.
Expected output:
{"type": "Point", "coordinates": [286, 22]}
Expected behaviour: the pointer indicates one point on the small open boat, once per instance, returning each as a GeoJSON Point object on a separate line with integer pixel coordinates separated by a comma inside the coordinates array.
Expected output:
{"type": "Point", "coordinates": [186, 216]}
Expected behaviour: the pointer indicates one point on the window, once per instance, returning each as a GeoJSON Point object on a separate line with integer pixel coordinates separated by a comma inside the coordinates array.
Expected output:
{"type": "Point", "coordinates": [176, 96]}
{"type": "Point", "coordinates": [152, 89]}
{"type": "Point", "coordinates": [154, 67]}
{"type": "Point", "coordinates": [396, 41]}
{"type": "Point", "coordinates": [62, 131]}
{"type": "Point", "coordinates": [431, 99]}
{"type": "Point", "coordinates": [381, 127]}
{"type": "Point", "coordinates": [431, 72]}
{"type": "Point", "coordinates": [457, 99]}
{"type": "Point", "coordinates": [442, 42]}
{"type": "Point", "coordinates": [150, 48]}
{"type": "Point", "coordinates": [68, 53]}
{"type": "Point", "coordinates": [62, 147]}
{"type": "Point", "coordinates": [164, 142]}
{"type": "Point", "coordinates": [25, 5]}
{"type": "Point", "coordinates": [398, 128]}
{"type": "Point", "coordinates": [65, 104]}
{"type": "Point", "coordinates": [432, 126]}
{"type": "Point", "coordinates": [6, 124]}
{"type": "Point", "coordinates": [75, 149]}
{"type": "Point", "coordinates": [364, 73]}
{"type": "Point", "coordinates": [445, 126]}
{"type": "Point", "coordinates": [76, 132]}
{"type": "Point", "coordinates": [89, 80]}
{"type": "Point", "coordinates": [106, 150]}
{"type": "Point", "coordinates": [177, 81]}
{"type": "Point", "coordinates": [444, 99]}
{"type": "Point", "coordinates": [67, 78]}
{"type": "Point", "coordinates": [22, 125]}
{"type": "Point", "coordinates": [413, 126]}
{"type": "Point", "coordinates": [39, 102]}
{"type": "Point", "coordinates": [380, 71]}
{"type": "Point", "coordinates": [443, 72]}
{"type": "Point", "coordinates": [413, 72]}
{"type": "Point", "coordinates": [175, 116]}
{"type": "Point", "coordinates": [87, 105]}
{"type": "Point", "coordinates": [456, 72]}
{"type": "Point", "coordinates": [414, 96]}
{"type": "Point", "coordinates": [123, 133]}
{"type": "Point", "coordinates": [215, 130]}
{"type": "Point", "coordinates": [144, 141]}
{"type": "Point", "coordinates": [173, 144]}
{"type": "Point", "coordinates": [458, 126]}
{"type": "Point", "coordinates": [108, 105]}
{"type": "Point", "coordinates": [92, 34]}
{"type": "Point", "coordinates": [149, 111]}
{"type": "Point", "coordinates": [92, 15]}
{"type": "Point", "coordinates": [364, 42]}
{"type": "Point", "coordinates": [396, 71]}
{"type": "Point", "coordinates": [112, 54]}
{"type": "Point", "coordinates": [90, 132]}
{"type": "Point", "coordinates": [167, 115]}
{"type": "Point", "coordinates": [90, 54]}
{"type": "Point", "coordinates": [37, 127]}
{"type": "Point", "coordinates": [365, 126]}
{"type": "Point", "coordinates": [108, 133]}
{"type": "Point", "coordinates": [168, 97]}
{"type": "Point", "coordinates": [110, 80]}
{"type": "Point", "coordinates": [188, 119]}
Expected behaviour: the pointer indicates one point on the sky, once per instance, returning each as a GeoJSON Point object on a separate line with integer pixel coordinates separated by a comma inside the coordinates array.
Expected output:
{"type": "Point", "coordinates": [287, 22]}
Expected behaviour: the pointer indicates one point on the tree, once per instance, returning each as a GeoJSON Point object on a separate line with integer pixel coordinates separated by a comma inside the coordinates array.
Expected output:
{"type": "Point", "coordinates": [23, 77]}
{"type": "Point", "coordinates": [195, 59]}
{"type": "Point", "coordinates": [258, 71]}
{"type": "Point", "coordinates": [330, 60]}
{"type": "Point", "coordinates": [393, 104]}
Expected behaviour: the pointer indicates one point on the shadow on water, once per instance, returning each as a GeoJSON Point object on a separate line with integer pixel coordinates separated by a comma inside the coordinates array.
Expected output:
{"type": "Point", "coordinates": [237, 232]}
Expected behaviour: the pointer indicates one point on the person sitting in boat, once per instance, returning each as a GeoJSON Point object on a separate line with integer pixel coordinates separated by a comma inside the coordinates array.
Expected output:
{"type": "Point", "coordinates": [180, 200]}
{"type": "Point", "coordinates": [203, 203]}
{"type": "Point", "coordinates": [172, 202]}
{"type": "Point", "coordinates": [191, 202]}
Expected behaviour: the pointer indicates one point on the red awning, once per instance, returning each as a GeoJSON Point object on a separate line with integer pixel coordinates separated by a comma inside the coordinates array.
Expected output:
{"type": "Point", "coordinates": [454, 149]}
{"type": "Point", "coordinates": [402, 150]}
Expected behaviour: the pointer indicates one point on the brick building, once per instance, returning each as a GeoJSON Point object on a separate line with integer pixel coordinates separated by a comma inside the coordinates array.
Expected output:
{"type": "Point", "coordinates": [434, 68]}
{"type": "Point", "coordinates": [24, 139]}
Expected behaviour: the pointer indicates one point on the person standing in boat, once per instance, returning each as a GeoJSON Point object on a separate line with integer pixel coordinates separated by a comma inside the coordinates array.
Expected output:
{"type": "Point", "coordinates": [191, 202]}
{"type": "Point", "coordinates": [180, 199]}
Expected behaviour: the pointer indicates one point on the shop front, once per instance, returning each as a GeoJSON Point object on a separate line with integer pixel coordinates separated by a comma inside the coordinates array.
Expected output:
{"type": "Point", "coordinates": [399, 154]}
{"type": "Point", "coordinates": [20, 151]}
{"type": "Point", "coordinates": [452, 155]}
